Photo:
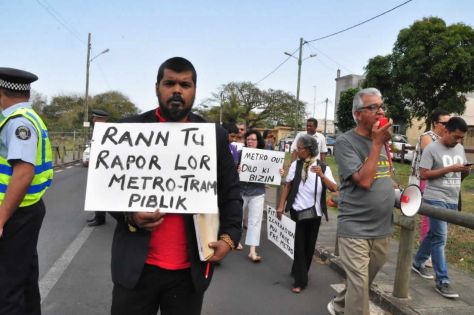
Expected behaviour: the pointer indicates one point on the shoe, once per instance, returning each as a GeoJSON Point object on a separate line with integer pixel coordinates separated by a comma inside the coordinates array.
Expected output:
{"type": "Point", "coordinates": [96, 223]}
{"type": "Point", "coordinates": [331, 308]}
{"type": "Point", "coordinates": [422, 272]}
{"type": "Point", "coordinates": [445, 290]}
{"type": "Point", "coordinates": [90, 219]}
{"type": "Point", "coordinates": [255, 258]}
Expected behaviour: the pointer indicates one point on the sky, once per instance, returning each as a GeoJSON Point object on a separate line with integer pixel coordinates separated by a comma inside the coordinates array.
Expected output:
{"type": "Point", "coordinates": [227, 41]}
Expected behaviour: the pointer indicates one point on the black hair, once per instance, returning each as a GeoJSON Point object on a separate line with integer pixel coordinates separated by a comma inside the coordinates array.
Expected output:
{"type": "Point", "coordinates": [177, 64]}
{"type": "Point", "coordinates": [260, 141]}
{"type": "Point", "coordinates": [231, 128]}
{"type": "Point", "coordinates": [436, 114]}
{"type": "Point", "coordinates": [314, 121]}
{"type": "Point", "coordinates": [456, 123]}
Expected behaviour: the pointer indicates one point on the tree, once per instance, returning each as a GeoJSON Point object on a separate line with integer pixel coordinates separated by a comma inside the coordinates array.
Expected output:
{"type": "Point", "coordinates": [431, 66]}
{"type": "Point", "coordinates": [379, 75]}
{"type": "Point", "coordinates": [115, 103]}
{"type": "Point", "coordinates": [245, 102]}
{"type": "Point", "coordinates": [66, 112]}
{"type": "Point", "coordinates": [345, 121]}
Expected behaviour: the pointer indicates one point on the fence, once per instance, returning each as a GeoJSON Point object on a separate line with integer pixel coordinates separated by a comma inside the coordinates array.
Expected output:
{"type": "Point", "coordinates": [67, 146]}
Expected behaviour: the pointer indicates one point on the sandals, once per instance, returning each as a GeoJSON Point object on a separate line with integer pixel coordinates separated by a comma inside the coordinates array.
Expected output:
{"type": "Point", "coordinates": [239, 247]}
{"type": "Point", "coordinates": [255, 258]}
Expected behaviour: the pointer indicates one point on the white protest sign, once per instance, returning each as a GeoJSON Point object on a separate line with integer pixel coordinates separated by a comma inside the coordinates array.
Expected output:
{"type": "Point", "coordinates": [281, 232]}
{"type": "Point", "coordinates": [261, 166]}
{"type": "Point", "coordinates": [146, 166]}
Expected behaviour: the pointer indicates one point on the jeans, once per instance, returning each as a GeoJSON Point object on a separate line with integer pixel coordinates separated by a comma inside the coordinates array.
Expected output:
{"type": "Point", "coordinates": [434, 243]}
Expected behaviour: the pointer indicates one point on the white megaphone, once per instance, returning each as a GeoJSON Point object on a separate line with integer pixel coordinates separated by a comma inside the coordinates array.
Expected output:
{"type": "Point", "coordinates": [408, 200]}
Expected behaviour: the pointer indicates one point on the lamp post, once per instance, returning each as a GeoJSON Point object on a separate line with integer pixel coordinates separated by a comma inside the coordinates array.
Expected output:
{"type": "Point", "coordinates": [86, 107]}
{"type": "Point", "coordinates": [300, 61]}
{"type": "Point", "coordinates": [314, 102]}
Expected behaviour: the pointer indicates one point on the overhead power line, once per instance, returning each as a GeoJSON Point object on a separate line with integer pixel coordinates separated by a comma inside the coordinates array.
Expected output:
{"type": "Point", "coordinates": [359, 24]}
{"type": "Point", "coordinates": [50, 10]}
{"type": "Point", "coordinates": [278, 67]}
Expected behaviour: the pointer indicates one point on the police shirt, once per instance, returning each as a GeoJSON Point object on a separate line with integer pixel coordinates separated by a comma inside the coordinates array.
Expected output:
{"type": "Point", "coordinates": [18, 137]}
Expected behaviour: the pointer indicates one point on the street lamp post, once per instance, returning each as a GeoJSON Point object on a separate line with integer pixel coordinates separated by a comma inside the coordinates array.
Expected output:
{"type": "Point", "coordinates": [86, 106]}
{"type": "Point", "coordinates": [300, 61]}
{"type": "Point", "coordinates": [314, 102]}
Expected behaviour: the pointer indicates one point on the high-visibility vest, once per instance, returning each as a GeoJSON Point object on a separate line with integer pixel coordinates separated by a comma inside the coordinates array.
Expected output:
{"type": "Point", "coordinates": [43, 164]}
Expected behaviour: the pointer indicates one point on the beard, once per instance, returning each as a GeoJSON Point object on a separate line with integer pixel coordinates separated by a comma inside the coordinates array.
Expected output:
{"type": "Point", "coordinates": [175, 108]}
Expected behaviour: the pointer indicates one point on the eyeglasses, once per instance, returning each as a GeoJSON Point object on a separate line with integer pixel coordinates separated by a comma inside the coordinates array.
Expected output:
{"type": "Point", "coordinates": [300, 148]}
{"type": "Point", "coordinates": [373, 108]}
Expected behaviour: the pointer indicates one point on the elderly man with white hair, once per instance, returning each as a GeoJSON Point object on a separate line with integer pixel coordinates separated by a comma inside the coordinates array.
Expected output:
{"type": "Point", "coordinates": [366, 202]}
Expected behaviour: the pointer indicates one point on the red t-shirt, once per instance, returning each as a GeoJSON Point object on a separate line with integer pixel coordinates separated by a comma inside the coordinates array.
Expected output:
{"type": "Point", "coordinates": [168, 243]}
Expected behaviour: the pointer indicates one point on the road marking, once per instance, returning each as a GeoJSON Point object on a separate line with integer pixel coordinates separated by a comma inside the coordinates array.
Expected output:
{"type": "Point", "coordinates": [58, 171]}
{"type": "Point", "coordinates": [374, 309]}
{"type": "Point", "coordinates": [49, 280]}
{"type": "Point", "coordinates": [71, 166]}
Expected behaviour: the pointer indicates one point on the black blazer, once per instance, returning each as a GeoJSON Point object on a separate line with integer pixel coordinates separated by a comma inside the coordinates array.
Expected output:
{"type": "Point", "coordinates": [130, 249]}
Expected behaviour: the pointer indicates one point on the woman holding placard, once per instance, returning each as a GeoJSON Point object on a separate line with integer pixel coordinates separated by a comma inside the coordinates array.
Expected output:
{"type": "Point", "coordinates": [305, 197]}
{"type": "Point", "coordinates": [253, 195]}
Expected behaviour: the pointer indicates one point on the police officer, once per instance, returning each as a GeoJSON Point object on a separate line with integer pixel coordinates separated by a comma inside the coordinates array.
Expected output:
{"type": "Point", "coordinates": [98, 115]}
{"type": "Point", "coordinates": [26, 171]}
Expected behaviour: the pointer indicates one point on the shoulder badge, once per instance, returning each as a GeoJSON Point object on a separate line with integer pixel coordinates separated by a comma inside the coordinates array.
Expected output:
{"type": "Point", "coordinates": [23, 133]}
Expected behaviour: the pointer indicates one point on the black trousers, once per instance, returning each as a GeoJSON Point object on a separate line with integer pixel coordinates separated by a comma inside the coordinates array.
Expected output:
{"type": "Point", "coordinates": [306, 234]}
{"type": "Point", "coordinates": [19, 291]}
{"type": "Point", "coordinates": [170, 291]}
{"type": "Point", "coordinates": [100, 216]}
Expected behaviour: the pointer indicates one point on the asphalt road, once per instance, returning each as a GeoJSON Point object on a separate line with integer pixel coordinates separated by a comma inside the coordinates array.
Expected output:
{"type": "Point", "coordinates": [75, 266]}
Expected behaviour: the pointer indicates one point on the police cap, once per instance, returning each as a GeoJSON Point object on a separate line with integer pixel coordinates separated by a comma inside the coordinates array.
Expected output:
{"type": "Point", "coordinates": [99, 113]}
{"type": "Point", "coordinates": [15, 79]}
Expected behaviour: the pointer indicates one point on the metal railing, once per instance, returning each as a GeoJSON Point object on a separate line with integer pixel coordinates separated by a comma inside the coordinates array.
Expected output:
{"type": "Point", "coordinates": [407, 239]}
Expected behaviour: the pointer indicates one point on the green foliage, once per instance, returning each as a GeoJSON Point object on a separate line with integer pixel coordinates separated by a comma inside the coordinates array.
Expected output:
{"type": "Point", "coordinates": [379, 75]}
{"type": "Point", "coordinates": [245, 102]}
{"type": "Point", "coordinates": [345, 121]}
{"type": "Point", "coordinates": [431, 65]}
{"type": "Point", "coordinates": [115, 103]}
{"type": "Point", "coordinates": [66, 112]}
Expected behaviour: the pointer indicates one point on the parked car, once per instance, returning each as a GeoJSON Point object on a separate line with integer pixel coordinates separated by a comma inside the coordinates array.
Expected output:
{"type": "Point", "coordinates": [330, 141]}
{"type": "Point", "coordinates": [285, 144]}
{"type": "Point", "coordinates": [86, 155]}
{"type": "Point", "coordinates": [396, 145]}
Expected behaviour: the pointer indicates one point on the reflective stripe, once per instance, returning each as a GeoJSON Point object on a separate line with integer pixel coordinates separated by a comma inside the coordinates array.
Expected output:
{"type": "Point", "coordinates": [43, 167]}
{"type": "Point", "coordinates": [6, 170]}
{"type": "Point", "coordinates": [44, 135]}
{"type": "Point", "coordinates": [33, 189]}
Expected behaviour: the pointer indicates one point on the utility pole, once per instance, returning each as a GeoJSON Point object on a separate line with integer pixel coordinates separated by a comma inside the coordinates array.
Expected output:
{"type": "Point", "coordinates": [298, 87]}
{"type": "Point", "coordinates": [314, 102]}
{"type": "Point", "coordinates": [326, 116]}
{"type": "Point", "coordinates": [86, 123]}
{"type": "Point", "coordinates": [86, 106]}
{"type": "Point", "coordinates": [300, 61]}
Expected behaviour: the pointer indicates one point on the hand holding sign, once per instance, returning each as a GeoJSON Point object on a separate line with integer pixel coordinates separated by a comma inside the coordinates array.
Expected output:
{"type": "Point", "coordinates": [148, 220]}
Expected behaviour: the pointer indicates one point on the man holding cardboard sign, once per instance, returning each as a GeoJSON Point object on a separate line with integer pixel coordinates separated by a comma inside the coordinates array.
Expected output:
{"type": "Point", "coordinates": [155, 260]}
